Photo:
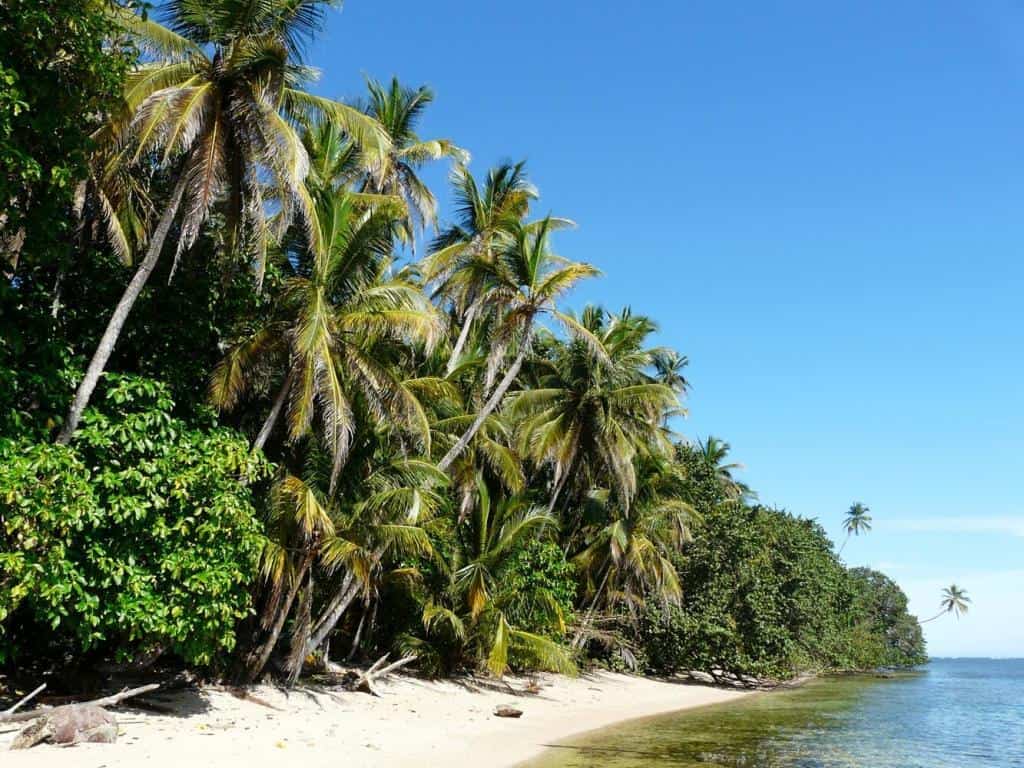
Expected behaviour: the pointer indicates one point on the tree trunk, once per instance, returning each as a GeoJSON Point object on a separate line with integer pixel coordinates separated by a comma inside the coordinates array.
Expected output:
{"type": "Point", "coordinates": [559, 485]}
{"type": "Point", "coordinates": [275, 412]}
{"type": "Point", "coordinates": [359, 634]}
{"type": "Point", "coordinates": [260, 655]}
{"type": "Point", "coordinates": [333, 612]}
{"type": "Point", "coordinates": [467, 321]}
{"type": "Point", "coordinates": [489, 406]}
{"type": "Point", "coordinates": [110, 336]}
{"type": "Point", "coordinates": [577, 641]}
{"type": "Point", "coordinates": [300, 635]}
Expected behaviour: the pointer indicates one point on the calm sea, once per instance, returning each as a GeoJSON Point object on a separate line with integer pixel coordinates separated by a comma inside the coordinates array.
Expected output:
{"type": "Point", "coordinates": [954, 713]}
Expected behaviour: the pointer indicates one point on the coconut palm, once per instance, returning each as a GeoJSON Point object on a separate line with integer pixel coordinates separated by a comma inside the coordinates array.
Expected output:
{"type": "Point", "coordinates": [526, 279]}
{"type": "Point", "coordinates": [394, 172]}
{"type": "Point", "coordinates": [486, 219]}
{"type": "Point", "coordinates": [475, 607]}
{"type": "Point", "coordinates": [627, 554]}
{"type": "Point", "coordinates": [215, 103]}
{"type": "Point", "coordinates": [594, 407]}
{"type": "Point", "coordinates": [857, 521]}
{"type": "Point", "coordinates": [669, 366]}
{"type": "Point", "coordinates": [715, 452]}
{"type": "Point", "coordinates": [326, 343]}
{"type": "Point", "coordinates": [954, 600]}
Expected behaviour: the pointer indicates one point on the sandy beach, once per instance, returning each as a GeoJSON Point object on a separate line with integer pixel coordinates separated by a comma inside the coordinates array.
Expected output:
{"type": "Point", "coordinates": [413, 722]}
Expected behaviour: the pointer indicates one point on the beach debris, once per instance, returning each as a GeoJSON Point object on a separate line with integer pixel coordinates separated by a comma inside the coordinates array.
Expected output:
{"type": "Point", "coordinates": [70, 723]}
{"type": "Point", "coordinates": [507, 711]}
{"type": "Point", "coordinates": [23, 701]}
{"type": "Point", "coordinates": [364, 681]}
{"type": "Point", "coordinates": [76, 724]}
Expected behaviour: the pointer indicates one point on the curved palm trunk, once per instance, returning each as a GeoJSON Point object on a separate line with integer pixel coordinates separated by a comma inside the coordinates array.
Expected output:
{"type": "Point", "coordinates": [332, 614]}
{"type": "Point", "coordinates": [577, 641]}
{"type": "Point", "coordinates": [258, 658]}
{"type": "Point", "coordinates": [940, 614]}
{"type": "Point", "coordinates": [110, 336]}
{"type": "Point", "coordinates": [275, 413]}
{"type": "Point", "coordinates": [845, 542]}
{"type": "Point", "coordinates": [467, 321]}
{"type": "Point", "coordinates": [489, 406]}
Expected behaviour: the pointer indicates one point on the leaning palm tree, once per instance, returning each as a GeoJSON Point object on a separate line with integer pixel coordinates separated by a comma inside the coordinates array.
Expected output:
{"type": "Point", "coordinates": [527, 279]}
{"type": "Point", "coordinates": [486, 219]}
{"type": "Point", "coordinates": [217, 107]}
{"type": "Point", "coordinates": [394, 172]}
{"type": "Point", "coordinates": [857, 521]}
{"type": "Point", "coordinates": [326, 343]}
{"type": "Point", "coordinates": [954, 600]}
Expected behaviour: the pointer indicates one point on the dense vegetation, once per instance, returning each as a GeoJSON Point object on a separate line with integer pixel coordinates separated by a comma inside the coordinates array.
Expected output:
{"type": "Point", "coordinates": [239, 426]}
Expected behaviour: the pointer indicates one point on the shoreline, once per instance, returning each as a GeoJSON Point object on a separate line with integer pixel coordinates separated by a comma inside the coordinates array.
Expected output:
{"type": "Point", "coordinates": [447, 722]}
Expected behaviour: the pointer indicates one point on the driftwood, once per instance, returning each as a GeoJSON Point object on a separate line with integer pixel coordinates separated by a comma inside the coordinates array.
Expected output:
{"type": "Point", "coordinates": [75, 724]}
{"type": "Point", "coordinates": [23, 701]}
{"type": "Point", "coordinates": [366, 680]}
{"type": "Point", "coordinates": [107, 701]}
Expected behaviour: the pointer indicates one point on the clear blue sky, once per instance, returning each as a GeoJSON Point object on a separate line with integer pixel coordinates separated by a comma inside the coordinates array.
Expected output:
{"type": "Point", "coordinates": [822, 204]}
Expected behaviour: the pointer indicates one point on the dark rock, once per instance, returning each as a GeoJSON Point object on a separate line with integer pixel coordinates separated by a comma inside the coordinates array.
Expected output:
{"type": "Point", "coordinates": [505, 711]}
{"type": "Point", "coordinates": [76, 724]}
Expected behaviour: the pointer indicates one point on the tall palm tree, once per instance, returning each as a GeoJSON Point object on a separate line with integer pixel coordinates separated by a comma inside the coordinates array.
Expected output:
{"type": "Point", "coordinates": [394, 172]}
{"type": "Point", "coordinates": [485, 221]}
{"type": "Point", "coordinates": [527, 279]}
{"type": "Point", "coordinates": [716, 452]}
{"type": "Point", "coordinates": [857, 521]}
{"type": "Point", "coordinates": [594, 406]}
{"type": "Point", "coordinates": [669, 366]}
{"type": "Point", "coordinates": [217, 107]}
{"type": "Point", "coordinates": [325, 344]}
{"type": "Point", "coordinates": [954, 600]}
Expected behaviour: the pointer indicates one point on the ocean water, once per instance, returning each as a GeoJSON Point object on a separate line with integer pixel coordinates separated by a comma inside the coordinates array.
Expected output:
{"type": "Point", "coordinates": [953, 713]}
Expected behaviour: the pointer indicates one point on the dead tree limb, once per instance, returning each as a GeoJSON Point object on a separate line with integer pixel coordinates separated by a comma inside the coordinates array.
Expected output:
{"type": "Point", "coordinates": [107, 701]}
{"type": "Point", "coordinates": [24, 701]}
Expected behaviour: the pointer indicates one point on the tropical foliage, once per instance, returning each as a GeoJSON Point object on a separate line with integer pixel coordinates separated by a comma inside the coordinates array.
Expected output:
{"type": "Point", "coordinates": [262, 401]}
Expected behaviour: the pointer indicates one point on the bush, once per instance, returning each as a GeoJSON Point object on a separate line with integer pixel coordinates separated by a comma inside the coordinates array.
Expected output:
{"type": "Point", "coordinates": [138, 537]}
{"type": "Point", "coordinates": [537, 583]}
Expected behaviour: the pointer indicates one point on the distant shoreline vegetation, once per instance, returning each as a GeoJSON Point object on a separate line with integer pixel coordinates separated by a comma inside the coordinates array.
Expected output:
{"type": "Point", "coordinates": [241, 432]}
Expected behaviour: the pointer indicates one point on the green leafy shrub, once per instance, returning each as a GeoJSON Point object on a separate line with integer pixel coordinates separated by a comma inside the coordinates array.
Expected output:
{"type": "Point", "coordinates": [139, 536]}
{"type": "Point", "coordinates": [537, 583]}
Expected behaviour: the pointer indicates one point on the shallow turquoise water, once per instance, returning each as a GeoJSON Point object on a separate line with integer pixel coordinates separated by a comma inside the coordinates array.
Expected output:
{"type": "Point", "coordinates": [954, 713]}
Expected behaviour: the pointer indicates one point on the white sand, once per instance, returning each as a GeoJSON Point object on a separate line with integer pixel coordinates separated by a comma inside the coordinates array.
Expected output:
{"type": "Point", "coordinates": [413, 723]}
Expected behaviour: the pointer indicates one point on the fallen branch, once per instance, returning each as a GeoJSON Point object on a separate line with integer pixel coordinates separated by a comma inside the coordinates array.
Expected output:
{"type": "Point", "coordinates": [365, 681]}
{"type": "Point", "coordinates": [107, 701]}
{"type": "Point", "coordinates": [23, 702]}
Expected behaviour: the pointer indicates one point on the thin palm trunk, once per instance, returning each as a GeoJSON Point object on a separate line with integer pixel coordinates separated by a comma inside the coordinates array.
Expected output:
{"type": "Point", "coordinates": [113, 331]}
{"type": "Point", "coordinates": [489, 406]}
{"type": "Point", "coordinates": [260, 655]}
{"type": "Point", "coordinates": [275, 413]}
{"type": "Point", "coordinates": [938, 615]}
{"type": "Point", "coordinates": [467, 321]}
{"type": "Point", "coordinates": [359, 633]}
{"type": "Point", "coordinates": [335, 609]}
{"type": "Point", "coordinates": [589, 617]}
{"type": "Point", "coordinates": [559, 485]}
{"type": "Point", "coordinates": [300, 635]}
{"type": "Point", "coordinates": [845, 542]}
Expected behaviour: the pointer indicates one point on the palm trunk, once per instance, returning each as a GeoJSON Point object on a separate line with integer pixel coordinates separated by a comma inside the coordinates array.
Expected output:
{"type": "Point", "coordinates": [489, 406]}
{"type": "Point", "coordinates": [359, 633]}
{"type": "Point", "coordinates": [110, 336]}
{"type": "Point", "coordinates": [300, 635]}
{"type": "Point", "coordinates": [333, 612]}
{"type": "Point", "coordinates": [941, 613]}
{"type": "Point", "coordinates": [576, 641]}
{"type": "Point", "coordinates": [559, 485]}
{"type": "Point", "coordinates": [275, 412]}
{"type": "Point", "coordinates": [467, 321]}
{"type": "Point", "coordinates": [260, 655]}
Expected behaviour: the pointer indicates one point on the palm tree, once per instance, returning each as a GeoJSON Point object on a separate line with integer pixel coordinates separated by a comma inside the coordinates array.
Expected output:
{"type": "Point", "coordinates": [669, 366]}
{"type": "Point", "coordinates": [954, 600]}
{"type": "Point", "coordinates": [394, 172]}
{"type": "Point", "coordinates": [715, 453]}
{"type": "Point", "coordinates": [594, 407]}
{"type": "Point", "coordinates": [326, 344]}
{"type": "Point", "coordinates": [527, 279]}
{"type": "Point", "coordinates": [857, 521]}
{"type": "Point", "coordinates": [627, 553]}
{"type": "Point", "coordinates": [475, 606]}
{"type": "Point", "coordinates": [486, 219]}
{"type": "Point", "coordinates": [217, 108]}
